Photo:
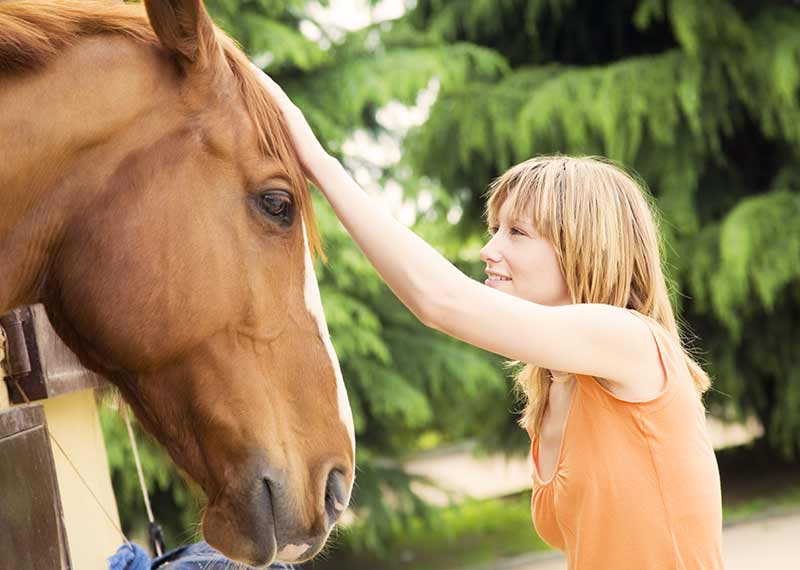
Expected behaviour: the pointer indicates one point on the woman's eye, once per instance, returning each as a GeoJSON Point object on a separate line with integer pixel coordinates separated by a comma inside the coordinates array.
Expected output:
{"type": "Point", "coordinates": [278, 205]}
{"type": "Point", "coordinates": [517, 231]}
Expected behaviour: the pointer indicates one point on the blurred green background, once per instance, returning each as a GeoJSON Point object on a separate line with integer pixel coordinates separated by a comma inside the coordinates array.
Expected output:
{"type": "Point", "coordinates": [426, 102]}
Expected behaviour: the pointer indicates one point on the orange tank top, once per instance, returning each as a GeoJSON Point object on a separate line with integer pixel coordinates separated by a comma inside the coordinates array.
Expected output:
{"type": "Point", "coordinates": [636, 484]}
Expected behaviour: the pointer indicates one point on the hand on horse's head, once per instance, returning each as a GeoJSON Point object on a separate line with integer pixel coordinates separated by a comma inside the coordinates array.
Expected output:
{"type": "Point", "coordinates": [310, 151]}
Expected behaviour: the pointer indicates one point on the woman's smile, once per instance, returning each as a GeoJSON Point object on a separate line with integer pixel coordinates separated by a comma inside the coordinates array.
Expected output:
{"type": "Point", "coordinates": [496, 279]}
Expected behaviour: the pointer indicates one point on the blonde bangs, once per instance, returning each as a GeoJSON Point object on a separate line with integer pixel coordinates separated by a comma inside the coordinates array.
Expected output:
{"type": "Point", "coordinates": [531, 190]}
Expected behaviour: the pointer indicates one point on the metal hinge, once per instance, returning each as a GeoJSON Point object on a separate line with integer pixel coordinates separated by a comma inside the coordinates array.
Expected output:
{"type": "Point", "coordinates": [17, 361]}
{"type": "Point", "coordinates": [3, 343]}
{"type": "Point", "coordinates": [5, 402]}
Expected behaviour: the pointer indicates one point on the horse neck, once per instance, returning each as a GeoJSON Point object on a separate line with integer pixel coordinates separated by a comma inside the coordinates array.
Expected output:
{"type": "Point", "coordinates": [63, 132]}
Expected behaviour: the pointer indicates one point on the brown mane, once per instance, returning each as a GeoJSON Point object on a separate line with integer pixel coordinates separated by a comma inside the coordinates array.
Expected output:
{"type": "Point", "coordinates": [32, 33]}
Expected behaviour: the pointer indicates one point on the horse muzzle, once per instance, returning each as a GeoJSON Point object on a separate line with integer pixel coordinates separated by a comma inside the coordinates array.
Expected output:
{"type": "Point", "coordinates": [261, 524]}
{"type": "Point", "coordinates": [241, 525]}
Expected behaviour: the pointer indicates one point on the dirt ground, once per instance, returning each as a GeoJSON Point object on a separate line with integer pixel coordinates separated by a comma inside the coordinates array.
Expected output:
{"type": "Point", "coordinates": [765, 544]}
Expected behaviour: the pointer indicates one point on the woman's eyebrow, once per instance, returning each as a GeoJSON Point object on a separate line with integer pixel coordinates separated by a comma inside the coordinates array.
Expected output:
{"type": "Point", "coordinates": [522, 223]}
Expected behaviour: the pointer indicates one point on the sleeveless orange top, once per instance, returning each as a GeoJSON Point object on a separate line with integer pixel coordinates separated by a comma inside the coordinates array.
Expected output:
{"type": "Point", "coordinates": [636, 484]}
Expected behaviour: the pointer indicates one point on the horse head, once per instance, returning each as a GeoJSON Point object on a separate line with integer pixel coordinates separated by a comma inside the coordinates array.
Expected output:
{"type": "Point", "coordinates": [152, 201]}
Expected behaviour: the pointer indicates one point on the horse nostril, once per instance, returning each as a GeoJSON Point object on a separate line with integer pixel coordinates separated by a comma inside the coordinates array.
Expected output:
{"type": "Point", "coordinates": [268, 502]}
{"type": "Point", "coordinates": [335, 496]}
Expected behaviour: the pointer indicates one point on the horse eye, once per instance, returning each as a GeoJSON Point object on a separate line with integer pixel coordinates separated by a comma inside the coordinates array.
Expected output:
{"type": "Point", "coordinates": [278, 204]}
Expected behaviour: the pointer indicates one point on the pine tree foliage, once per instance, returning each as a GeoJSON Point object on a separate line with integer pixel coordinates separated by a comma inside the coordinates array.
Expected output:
{"type": "Point", "coordinates": [337, 98]}
{"type": "Point", "coordinates": [266, 27]}
{"type": "Point", "coordinates": [759, 245]}
{"type": "Point", "coordinates": [703, 100]}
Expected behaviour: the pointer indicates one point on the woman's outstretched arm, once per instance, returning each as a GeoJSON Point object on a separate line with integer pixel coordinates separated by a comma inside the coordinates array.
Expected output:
{"type": "Point", "coordinates": [418, 274]}
{"type": "Point", "coordinates": [592, 339]}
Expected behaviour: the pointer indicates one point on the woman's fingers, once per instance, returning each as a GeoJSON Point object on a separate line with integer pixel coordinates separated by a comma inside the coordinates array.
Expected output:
{"type": "Point", "coordinates": [274, 90]}
{"type": "Point", "coordinates": [308, 148]}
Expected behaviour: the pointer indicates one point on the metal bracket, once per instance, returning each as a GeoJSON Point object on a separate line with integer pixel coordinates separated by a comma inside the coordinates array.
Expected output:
{"type": "Point", "coordinates": [3, 343]}
{"type": "Point", "coordinates": [37, 360]}
{"type": "Point", "coordinates": [17, 357]}
{"type": "Point", "coordinates": [4, 400]}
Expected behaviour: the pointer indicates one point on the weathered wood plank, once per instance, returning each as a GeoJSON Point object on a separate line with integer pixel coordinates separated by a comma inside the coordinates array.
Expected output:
{"type": "Point", "coordinates": [31, 522]}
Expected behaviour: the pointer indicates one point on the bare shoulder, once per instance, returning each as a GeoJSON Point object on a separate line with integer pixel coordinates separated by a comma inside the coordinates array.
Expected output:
{"type": "Point", "coordinates": [644, 379]}
{"type": "Point", "coordinates": [612, 343]}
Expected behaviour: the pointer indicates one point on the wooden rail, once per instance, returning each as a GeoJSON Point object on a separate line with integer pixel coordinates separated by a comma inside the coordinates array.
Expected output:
{"type": "Point", "coordinates": [48, 519]}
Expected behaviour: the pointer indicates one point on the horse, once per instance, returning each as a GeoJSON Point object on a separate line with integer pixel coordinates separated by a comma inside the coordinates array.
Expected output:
{"type": "Point", "coordinates": [151, 200]}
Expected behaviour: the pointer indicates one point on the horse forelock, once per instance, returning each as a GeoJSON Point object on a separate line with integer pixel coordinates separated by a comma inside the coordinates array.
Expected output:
{"type": "Point", "coordinates": [32, 33]}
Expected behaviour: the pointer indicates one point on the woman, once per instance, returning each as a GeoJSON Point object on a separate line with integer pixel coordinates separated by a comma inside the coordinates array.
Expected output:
{"type": "Point", "coordinates": [624, 474]}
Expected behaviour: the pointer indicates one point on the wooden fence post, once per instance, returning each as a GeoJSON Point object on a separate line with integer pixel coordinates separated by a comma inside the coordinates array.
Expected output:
{"type": "Point", "coordinates": [47, 371]}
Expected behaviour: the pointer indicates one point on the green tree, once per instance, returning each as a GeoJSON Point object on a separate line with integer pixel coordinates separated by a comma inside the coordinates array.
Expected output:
{"type": "Point", "coordinates": [701, 98]}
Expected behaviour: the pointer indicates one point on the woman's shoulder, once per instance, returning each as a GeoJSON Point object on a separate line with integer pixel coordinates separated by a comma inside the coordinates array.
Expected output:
{"type": "Point", "coordinates": [657, 379]}
{"type": "Point", "coordinates": [665, 341]}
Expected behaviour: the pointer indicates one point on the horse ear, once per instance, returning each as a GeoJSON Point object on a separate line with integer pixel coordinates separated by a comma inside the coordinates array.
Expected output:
{"type": "Point", "coordinates": [185, 28]}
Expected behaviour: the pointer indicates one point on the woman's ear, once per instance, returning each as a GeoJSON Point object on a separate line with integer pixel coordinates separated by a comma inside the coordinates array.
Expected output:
{"type": "Point", "coordinates": [185, 28]}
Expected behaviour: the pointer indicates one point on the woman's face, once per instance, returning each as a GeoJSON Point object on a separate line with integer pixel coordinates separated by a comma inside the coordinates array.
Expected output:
{"type": "Point", "coordinates": [522, 263]}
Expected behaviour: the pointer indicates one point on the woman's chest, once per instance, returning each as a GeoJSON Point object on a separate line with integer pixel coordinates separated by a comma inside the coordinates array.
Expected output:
{"type": "Point", "coordinates": [554, 423]}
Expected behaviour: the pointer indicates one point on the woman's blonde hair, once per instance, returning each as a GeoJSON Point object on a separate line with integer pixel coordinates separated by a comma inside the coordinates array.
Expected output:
{"type": "Point", "coordinates": [602, 224]}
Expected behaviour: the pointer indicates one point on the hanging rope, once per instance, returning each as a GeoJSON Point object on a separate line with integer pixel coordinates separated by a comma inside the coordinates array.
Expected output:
{"type": "Point", "coordinates": [156, 537]}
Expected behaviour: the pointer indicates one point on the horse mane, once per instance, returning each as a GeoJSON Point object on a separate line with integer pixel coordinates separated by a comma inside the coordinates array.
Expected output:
{"type": "Point", "coordinates": [33, 33]}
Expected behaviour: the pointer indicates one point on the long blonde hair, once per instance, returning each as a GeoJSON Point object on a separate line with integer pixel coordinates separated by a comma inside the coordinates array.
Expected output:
{"type": "Point", "coordinates": [602, 223]}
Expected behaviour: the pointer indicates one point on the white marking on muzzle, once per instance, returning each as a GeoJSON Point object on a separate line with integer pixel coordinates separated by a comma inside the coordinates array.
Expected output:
{"type": "Point", "coordinates": [292, 552]}
{"type": "Point", "coordinates": [314, 304]}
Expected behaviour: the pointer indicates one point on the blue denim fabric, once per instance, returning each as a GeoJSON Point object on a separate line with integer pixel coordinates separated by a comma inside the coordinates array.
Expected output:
{"type": "Point", "coordinates": [201, 556]}
{"type": "Point", "coordinates": [129, 557]}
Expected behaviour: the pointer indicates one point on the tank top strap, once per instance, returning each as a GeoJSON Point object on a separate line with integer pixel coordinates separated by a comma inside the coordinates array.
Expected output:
{"type": "Point", "coordinates": [673, 364]}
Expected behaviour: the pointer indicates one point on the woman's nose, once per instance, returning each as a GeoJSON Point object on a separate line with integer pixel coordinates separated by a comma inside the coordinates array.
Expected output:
{"type": "Point", "coordinates": [490, 252]}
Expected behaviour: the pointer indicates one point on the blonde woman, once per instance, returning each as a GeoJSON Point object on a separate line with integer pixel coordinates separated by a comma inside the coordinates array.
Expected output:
{"type": "Point", "coordinates": [624, 474]}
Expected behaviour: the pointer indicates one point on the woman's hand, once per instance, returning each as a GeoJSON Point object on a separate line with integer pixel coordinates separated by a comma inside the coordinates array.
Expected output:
{"type": "Point", "coordinates": [309, 150]}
